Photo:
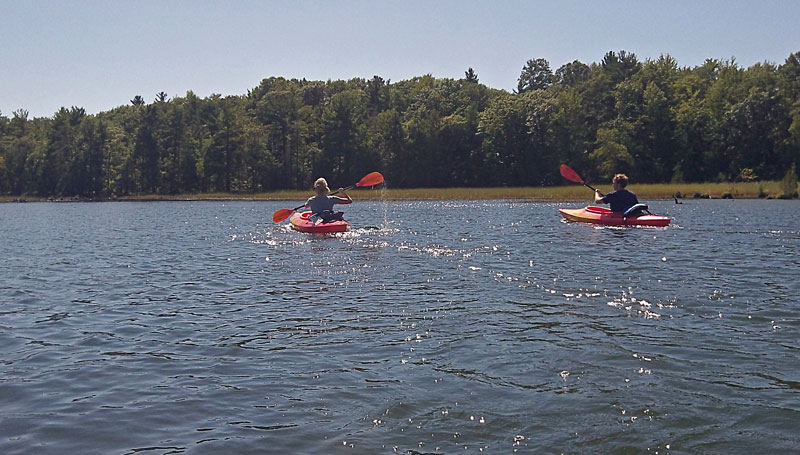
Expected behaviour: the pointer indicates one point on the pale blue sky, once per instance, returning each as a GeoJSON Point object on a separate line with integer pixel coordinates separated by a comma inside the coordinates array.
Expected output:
{"type": "Point", "coordinates": [100, 54]}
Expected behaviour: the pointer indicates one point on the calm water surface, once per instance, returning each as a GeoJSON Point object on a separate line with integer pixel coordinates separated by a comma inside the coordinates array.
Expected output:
{"type": "Point", "coordinates": [430, 328]}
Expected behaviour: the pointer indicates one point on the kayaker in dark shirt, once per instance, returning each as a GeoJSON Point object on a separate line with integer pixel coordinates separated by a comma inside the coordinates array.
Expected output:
{"type": "Point", "coordinates": [321, 205]}
{"type": "Point", "coordinates": [620, 199]}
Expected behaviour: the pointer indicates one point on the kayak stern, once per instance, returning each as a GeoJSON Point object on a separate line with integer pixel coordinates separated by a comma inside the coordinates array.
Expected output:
{"type": "Point", "coordinates": [301, 222]}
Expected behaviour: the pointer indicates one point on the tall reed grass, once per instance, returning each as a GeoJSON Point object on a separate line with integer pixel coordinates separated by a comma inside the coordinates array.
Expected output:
{"type": "Point", "coordinates": [744, 190]}
{"type": "Point", "coordinates": [575, 192]}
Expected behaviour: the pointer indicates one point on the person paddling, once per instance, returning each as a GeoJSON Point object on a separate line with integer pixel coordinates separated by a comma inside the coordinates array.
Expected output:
{"type": "Point", "coordinates": [321, 204]}
{"type": "Point", "coordinates": [620, 199]}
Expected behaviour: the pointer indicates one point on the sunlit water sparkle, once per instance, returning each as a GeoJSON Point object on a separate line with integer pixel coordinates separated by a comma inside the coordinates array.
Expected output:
{"type": "Point", "coordinates": [431, 327]}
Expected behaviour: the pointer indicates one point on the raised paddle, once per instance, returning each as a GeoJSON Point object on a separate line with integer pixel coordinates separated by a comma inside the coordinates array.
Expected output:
{"type": "Point", "coordinates": [371, 179]}
{"type": "Point", "coordinates": [569, 174]}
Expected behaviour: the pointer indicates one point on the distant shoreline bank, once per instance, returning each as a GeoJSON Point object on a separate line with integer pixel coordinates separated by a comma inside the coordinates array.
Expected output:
{"type": "Point", "coordinates": [645, 192]}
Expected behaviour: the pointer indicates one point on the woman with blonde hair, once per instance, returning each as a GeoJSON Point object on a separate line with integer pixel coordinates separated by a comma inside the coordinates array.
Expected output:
{"type": "Point", "coordinates": [321, 204]}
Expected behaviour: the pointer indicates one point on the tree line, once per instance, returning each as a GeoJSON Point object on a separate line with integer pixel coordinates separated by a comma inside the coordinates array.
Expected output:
{"type": "Point", "coordinates": [652, 119]}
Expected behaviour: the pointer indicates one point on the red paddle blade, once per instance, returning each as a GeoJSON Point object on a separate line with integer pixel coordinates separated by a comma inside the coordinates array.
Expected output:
{"type": "Point", "coordinates": [569, 174]}
{"type": "Point", "coordinates": [371, 179]}
{"type": "Point", "coordinates": [281, 215]}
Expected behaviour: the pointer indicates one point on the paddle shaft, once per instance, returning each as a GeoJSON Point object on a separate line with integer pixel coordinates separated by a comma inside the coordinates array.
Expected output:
{"type": "Point", "coordinates": [335, 192]}
{"type": "Point", "coordinates": [371, 179]}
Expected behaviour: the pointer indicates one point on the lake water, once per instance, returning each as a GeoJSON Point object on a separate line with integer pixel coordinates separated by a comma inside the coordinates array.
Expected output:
{"type": "Point", "coordinates": [467, 327]}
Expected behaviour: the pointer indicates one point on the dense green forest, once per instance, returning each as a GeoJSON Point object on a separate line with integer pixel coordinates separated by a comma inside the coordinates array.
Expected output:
{"type": "Point", "coordinates": [652, 119]}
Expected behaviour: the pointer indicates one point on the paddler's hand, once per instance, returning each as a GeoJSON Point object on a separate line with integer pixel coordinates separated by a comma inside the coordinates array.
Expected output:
{"type": "Point", "coordinates": [347, 198]}
{"type": "Point", "coordinates": [598, 197]}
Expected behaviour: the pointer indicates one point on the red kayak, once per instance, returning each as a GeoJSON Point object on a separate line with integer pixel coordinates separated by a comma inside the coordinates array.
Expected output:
{"type": "Point", "coordinates": [604, 216]}
{"type": "Point", "coordinates": [301, 222]}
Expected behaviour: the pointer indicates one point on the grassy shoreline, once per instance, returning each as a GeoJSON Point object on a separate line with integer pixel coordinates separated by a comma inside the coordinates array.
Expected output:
{"type": "Point", "coordinates": [645, 192]}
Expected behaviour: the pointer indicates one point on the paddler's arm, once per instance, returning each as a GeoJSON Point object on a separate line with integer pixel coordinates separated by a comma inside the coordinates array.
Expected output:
{"type": "Point", "coordinates": [344, 200]}
{"type": "Point", "coordinates": [598, 197]}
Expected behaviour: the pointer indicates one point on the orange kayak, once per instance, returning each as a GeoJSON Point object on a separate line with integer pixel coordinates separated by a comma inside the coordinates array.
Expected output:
{"type": "Point", "coordinates": [604, 216]}
{"type": "Point", "coordinates": [301, 222]}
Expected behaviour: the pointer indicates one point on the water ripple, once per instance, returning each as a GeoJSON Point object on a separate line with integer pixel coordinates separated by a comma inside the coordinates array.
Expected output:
{"type": "Point", "coordinates": [202, 328]}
